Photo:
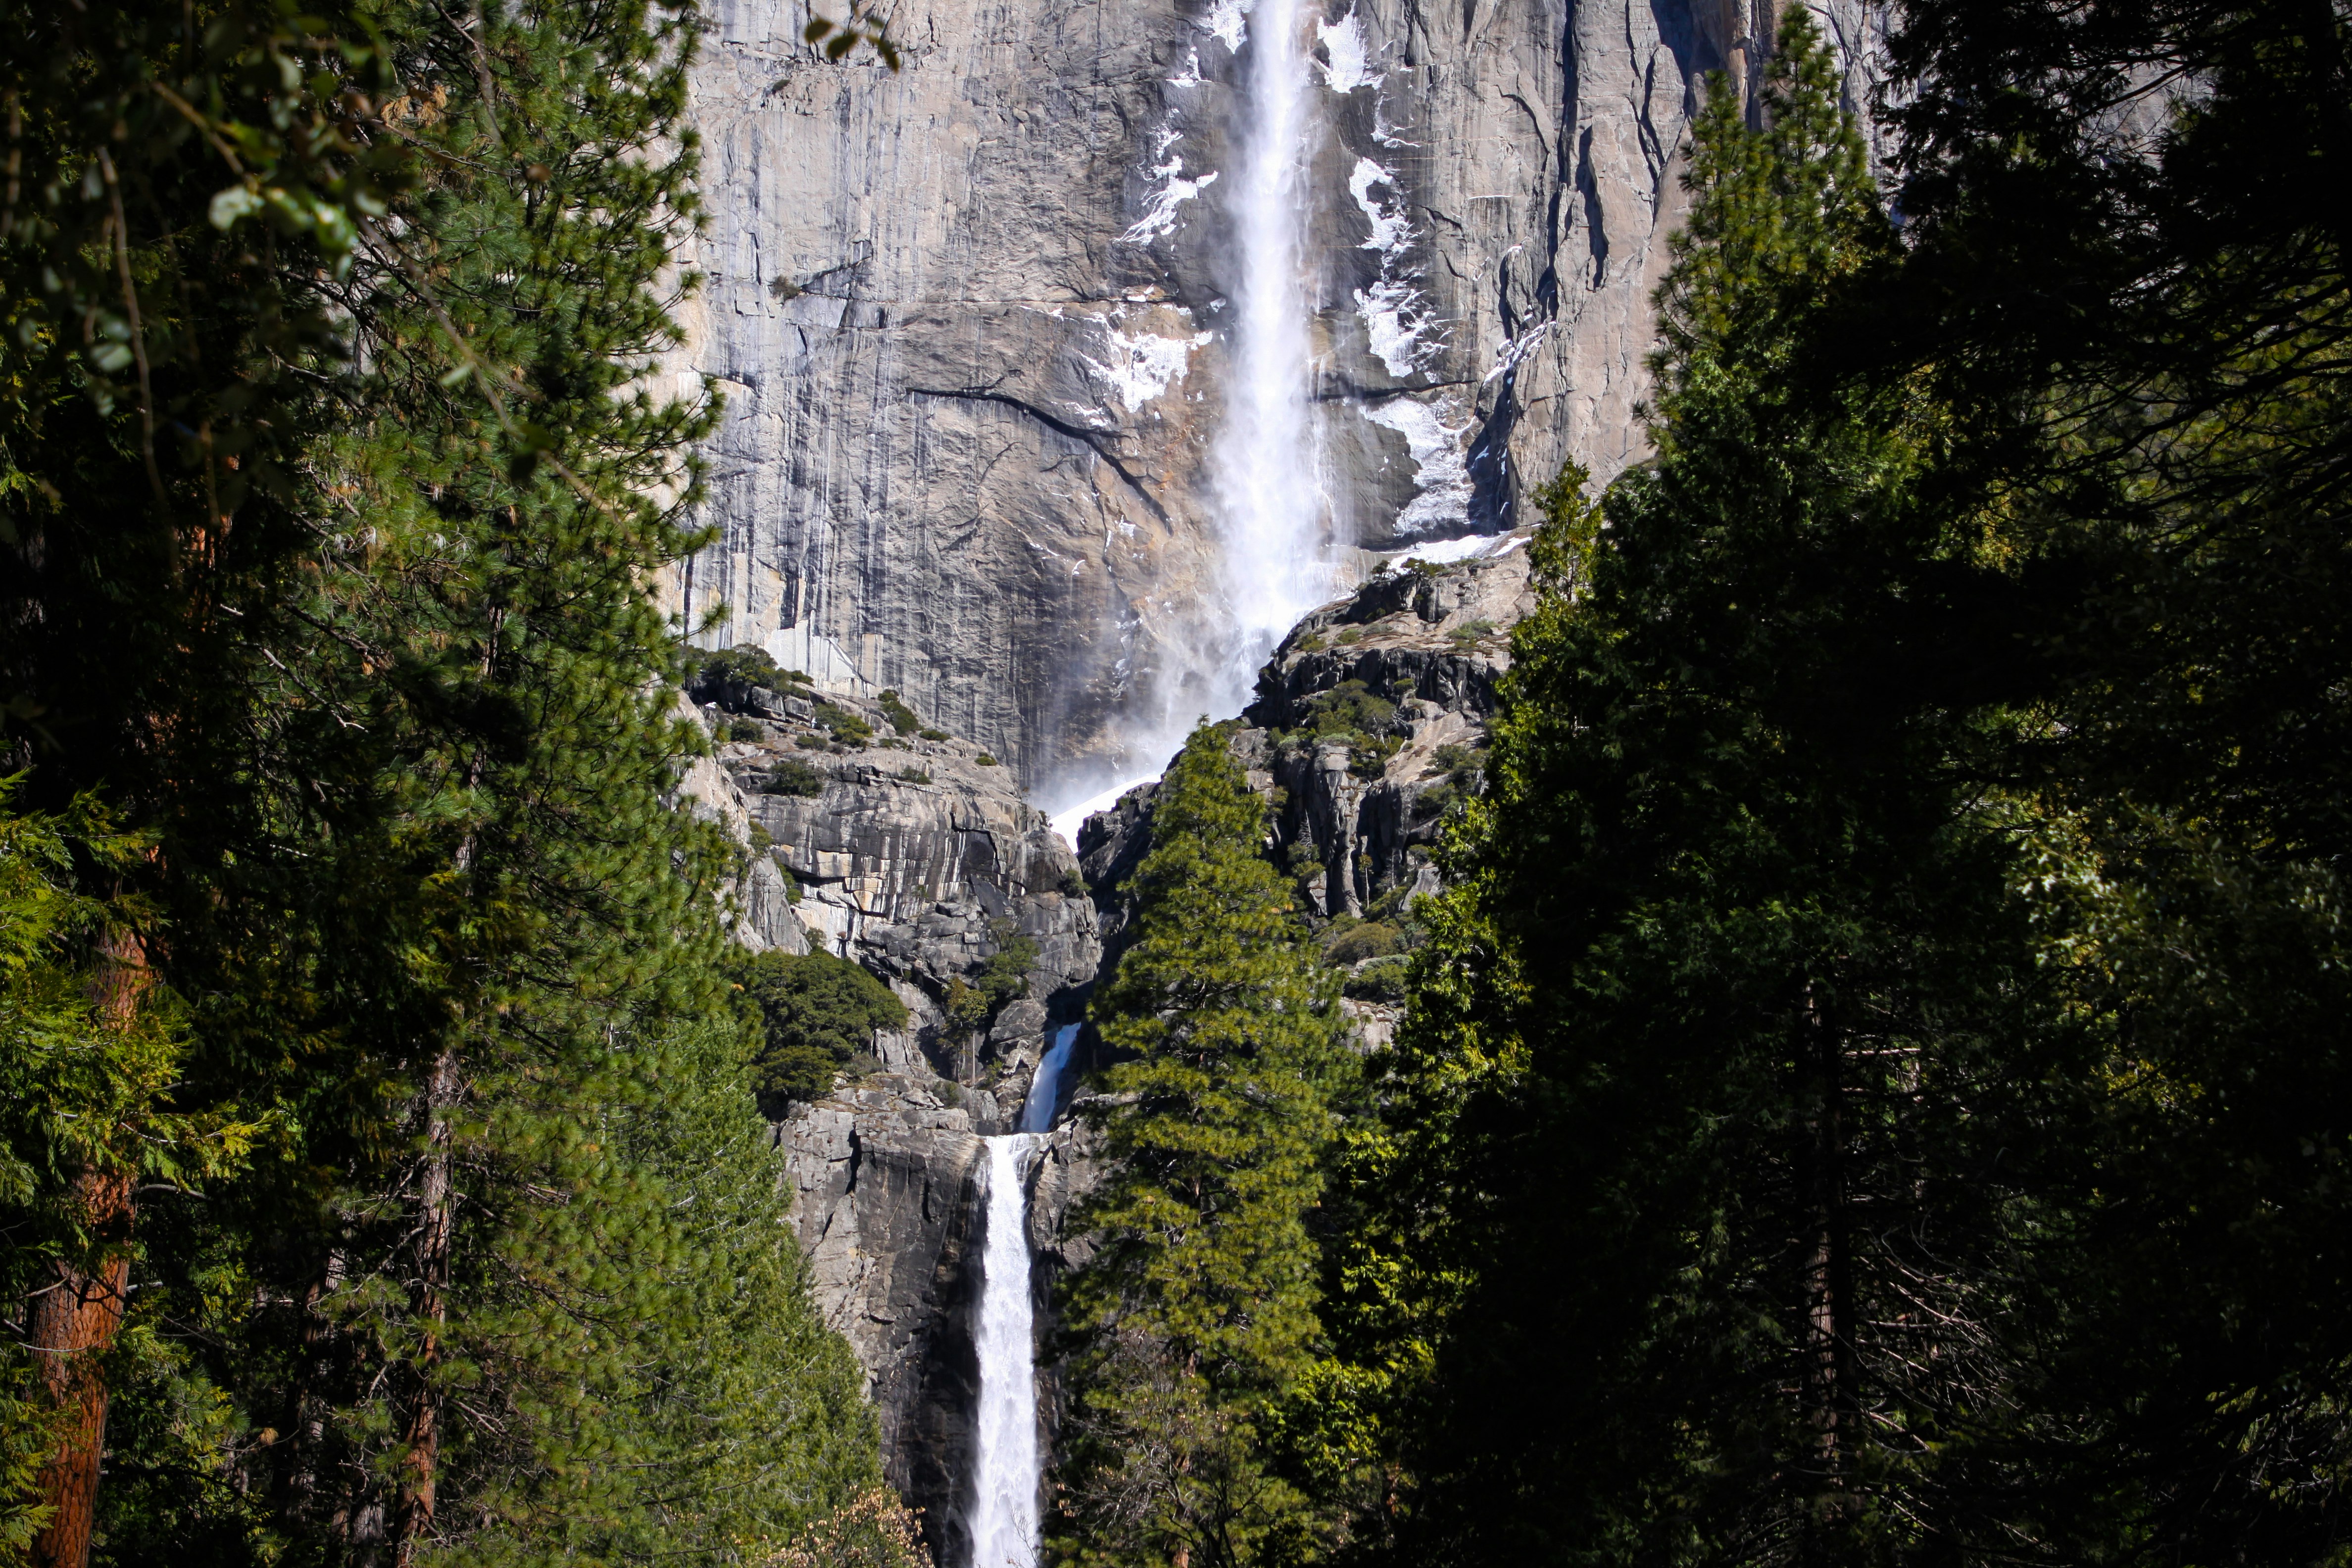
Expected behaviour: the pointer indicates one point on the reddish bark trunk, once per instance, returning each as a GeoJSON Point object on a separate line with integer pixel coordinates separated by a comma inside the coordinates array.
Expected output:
{"type": "Point", "coordinates": [76, 1317]}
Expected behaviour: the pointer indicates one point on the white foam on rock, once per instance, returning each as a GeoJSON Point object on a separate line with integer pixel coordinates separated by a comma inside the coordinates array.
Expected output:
{"type": "Point", "coordinates": [1141, 367]}
{"type": "Point", "coordinates": [1475, 547]}
{"type": "Point", "coordinates": [1389, 309]}
{"type": "Point", "coordinates": [1227, 21]}
{"type": "Point", "coordinates": [1439, 468]}
{"type": "Point", "coordinates": [1174, 191]}
{"type": "Point", "coordinates": [1392, 231]}
{"type": "Point", "coordinates": [1347, 62]}
{"type": "Point", "coordinates": [1067, 821]}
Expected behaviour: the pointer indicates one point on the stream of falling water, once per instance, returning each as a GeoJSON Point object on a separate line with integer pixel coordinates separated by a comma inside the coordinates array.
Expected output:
{"type": "Point", "coordinates": [1277, 558]}
{"type": "Point", "coordinates": [1004, 1518]}
{"type": "Point", "coordinates": [1004, 1501]}
{"type": "Point", "coordinates": [1277, 565]}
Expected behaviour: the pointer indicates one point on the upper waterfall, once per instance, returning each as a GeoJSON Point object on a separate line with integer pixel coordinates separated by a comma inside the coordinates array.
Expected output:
{"type": "Point", "coordinates": [1276, 551]}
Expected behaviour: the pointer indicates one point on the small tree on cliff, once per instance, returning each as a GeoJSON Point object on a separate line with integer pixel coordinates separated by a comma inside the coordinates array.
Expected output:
{"type": "Point", "coordinates": [1197, 1316]}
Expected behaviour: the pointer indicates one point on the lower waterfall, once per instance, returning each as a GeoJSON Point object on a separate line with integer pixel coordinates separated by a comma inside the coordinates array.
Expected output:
{"type": "Point", "coordinates": [1003, 1517]}
{"type": "Point", "coordinates": [1004, 1488]}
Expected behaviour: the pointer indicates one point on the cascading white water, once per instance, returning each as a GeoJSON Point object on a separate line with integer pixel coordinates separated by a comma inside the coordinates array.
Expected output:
{"type": "Point", "coordinates": [1277, 558]}
{"type": "Point", "coordinates": [1278, 561]}
{"type": "Point", "coordinates": [1004, 1518]}
{"type": "Point", "coordinates": [1046, 1088]}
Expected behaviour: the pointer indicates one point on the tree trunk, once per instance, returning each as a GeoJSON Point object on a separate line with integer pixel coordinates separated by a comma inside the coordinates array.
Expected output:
{"type": "Point", "coordinates": [76, 1316]}
{"type": "Point", "coordinates": [421, 1440]}
{"type": "Point", "coordinates": [1828, 1268]}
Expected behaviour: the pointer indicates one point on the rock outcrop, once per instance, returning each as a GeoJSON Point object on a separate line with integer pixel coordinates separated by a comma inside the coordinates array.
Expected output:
{"type": "Point", "coordinates": [1370, 719]}
{"type": "Point", "coordinates": [915, 855]}
{"type": "Point", "coordinates": [971, 317]}
{"type": "Point", "coordinates": [1370, 716]}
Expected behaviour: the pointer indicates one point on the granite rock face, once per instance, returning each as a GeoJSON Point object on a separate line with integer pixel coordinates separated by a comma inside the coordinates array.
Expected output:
{"type": "Point", "coordinates": [915, 856]}
{"type": "Point", "coordinates": [919, 860]}
{"type": "Point", "coordinates": [972, 321]}
{"type": "Point", "coordinates": [1370, 716]}
{"type": "Point", "coordinates": [886, 1202]}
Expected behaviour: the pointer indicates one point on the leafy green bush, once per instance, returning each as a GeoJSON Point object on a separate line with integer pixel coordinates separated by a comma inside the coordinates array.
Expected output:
{"type": "Point", "coordinates": [1348, 710]}
{"type": "Point", "coordinates": [985, 761]}
{"type": "Point", "coordinates": [902, 718]}
{"type": "Point", "coordinates": [1004, 978]}
{"type": "Point", "coordinates": [745, 730]}
{"type": "Point", "coordinates": [846, 728]}
{"type": "Point", "coordinates": [914, 775]}
{"type": "Point", "coordinates": [1349, 637]}
{"type": "Point", "coordinates": [1380, 981]}
{"type": "Point", "coordinates": [815, 1014]}
{"type": "Point", "coordinates": [932, 735]}
{"type": "Point", "coordinates": [1351, 940]}
{"type": "Point", "coordinates": [810, 742]}
{"type": "Point", "coordinates": [1469, 632]}
{"type": "Point", "coordinates": [792, 776]}
{"type": "Point", "coordinates": [727, 679]}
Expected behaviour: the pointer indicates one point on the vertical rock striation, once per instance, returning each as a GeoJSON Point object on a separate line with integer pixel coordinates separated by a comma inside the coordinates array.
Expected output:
{"type": "Point", "coordinates": [972, 318]}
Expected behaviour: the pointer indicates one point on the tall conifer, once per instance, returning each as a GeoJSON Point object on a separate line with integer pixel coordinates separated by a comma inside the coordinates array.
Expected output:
{"type": "Point", "coordinates": [1695, 1204]}
{"type": "Point", "coordinates": [1196, 1319]}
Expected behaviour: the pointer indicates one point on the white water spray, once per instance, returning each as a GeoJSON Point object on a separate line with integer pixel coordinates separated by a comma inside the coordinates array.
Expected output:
{"type": "Point", "coordinates": [1276, 558]}
{"type": "Point", "coordinates": [1003, 1516]}
{"type": "Point", "coordinates": [1004, 1488]}
{"type": "Point", "coordinates": [1278, 561]}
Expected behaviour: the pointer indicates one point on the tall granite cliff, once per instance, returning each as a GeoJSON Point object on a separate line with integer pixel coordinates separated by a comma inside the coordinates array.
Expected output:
{"type": "Point", "coordinates": [971, 317]}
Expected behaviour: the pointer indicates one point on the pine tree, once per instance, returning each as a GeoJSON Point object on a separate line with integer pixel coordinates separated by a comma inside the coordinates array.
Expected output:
{"type": "Point", "coordinates": [364, 648]}
{"type": "Point", "coordinates": [1195, 1323]}
{"type": "Point", "coordinates": [1693, 1220]}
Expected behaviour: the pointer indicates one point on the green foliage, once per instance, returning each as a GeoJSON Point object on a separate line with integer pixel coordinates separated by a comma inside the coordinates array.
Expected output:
{"type": "Point", "coordinates": [1192, 1330]}
{"type": "Point", "coordinates": [932, 735]}
{"type": "Point", "coordinates": [1002, 978]}
{"type": "Point", "coordinates": [329, 559]}
{"type": "Point", "coordinates": [1703, 938]}
{"type": "Point", "coordinates": [724, 674]}
{"type": "Point", "coordinates": [1874, 1091]}
{"type": "Point", "coordinates": [1380, 982]}
{"type": "Point", "coordinates": [814, 1013]}
{"type": "Point", "coordinates": [1471, 632]}
{"type": "Point", "coordinates": [1355, 941]}
{"type": "Point", "coordinates": [985, 761]}
{"type": "Point", "coordinates": [902, 718]}
{"type": "Point", "coordinates": [914, 775]}
{"type": "Point", "coordinates": [78, 1091]}
{"type": "Point", "coordinates": [790, 776]}
{"type": "Point", "coordinates": [745, 730]}
{"type": "Point", "coordinates": [1348, 712]}
{"type": "Point", "coordinates": [846, 728]}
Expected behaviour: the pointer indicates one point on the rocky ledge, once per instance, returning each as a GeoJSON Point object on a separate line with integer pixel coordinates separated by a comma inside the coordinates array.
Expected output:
{"type": "Point", "coordinates": [1370, 720]}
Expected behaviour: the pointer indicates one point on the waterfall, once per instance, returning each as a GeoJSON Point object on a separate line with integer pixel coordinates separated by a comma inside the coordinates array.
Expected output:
{"type": "Point", "coordinates": [1270, 507]}
{"type": "Point", "coordinates": [1046, 1088]}
{"type": "Point", "coordinates": [1004, 1490]}
{"type": "Point", "coordinates": [1275, 556]}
